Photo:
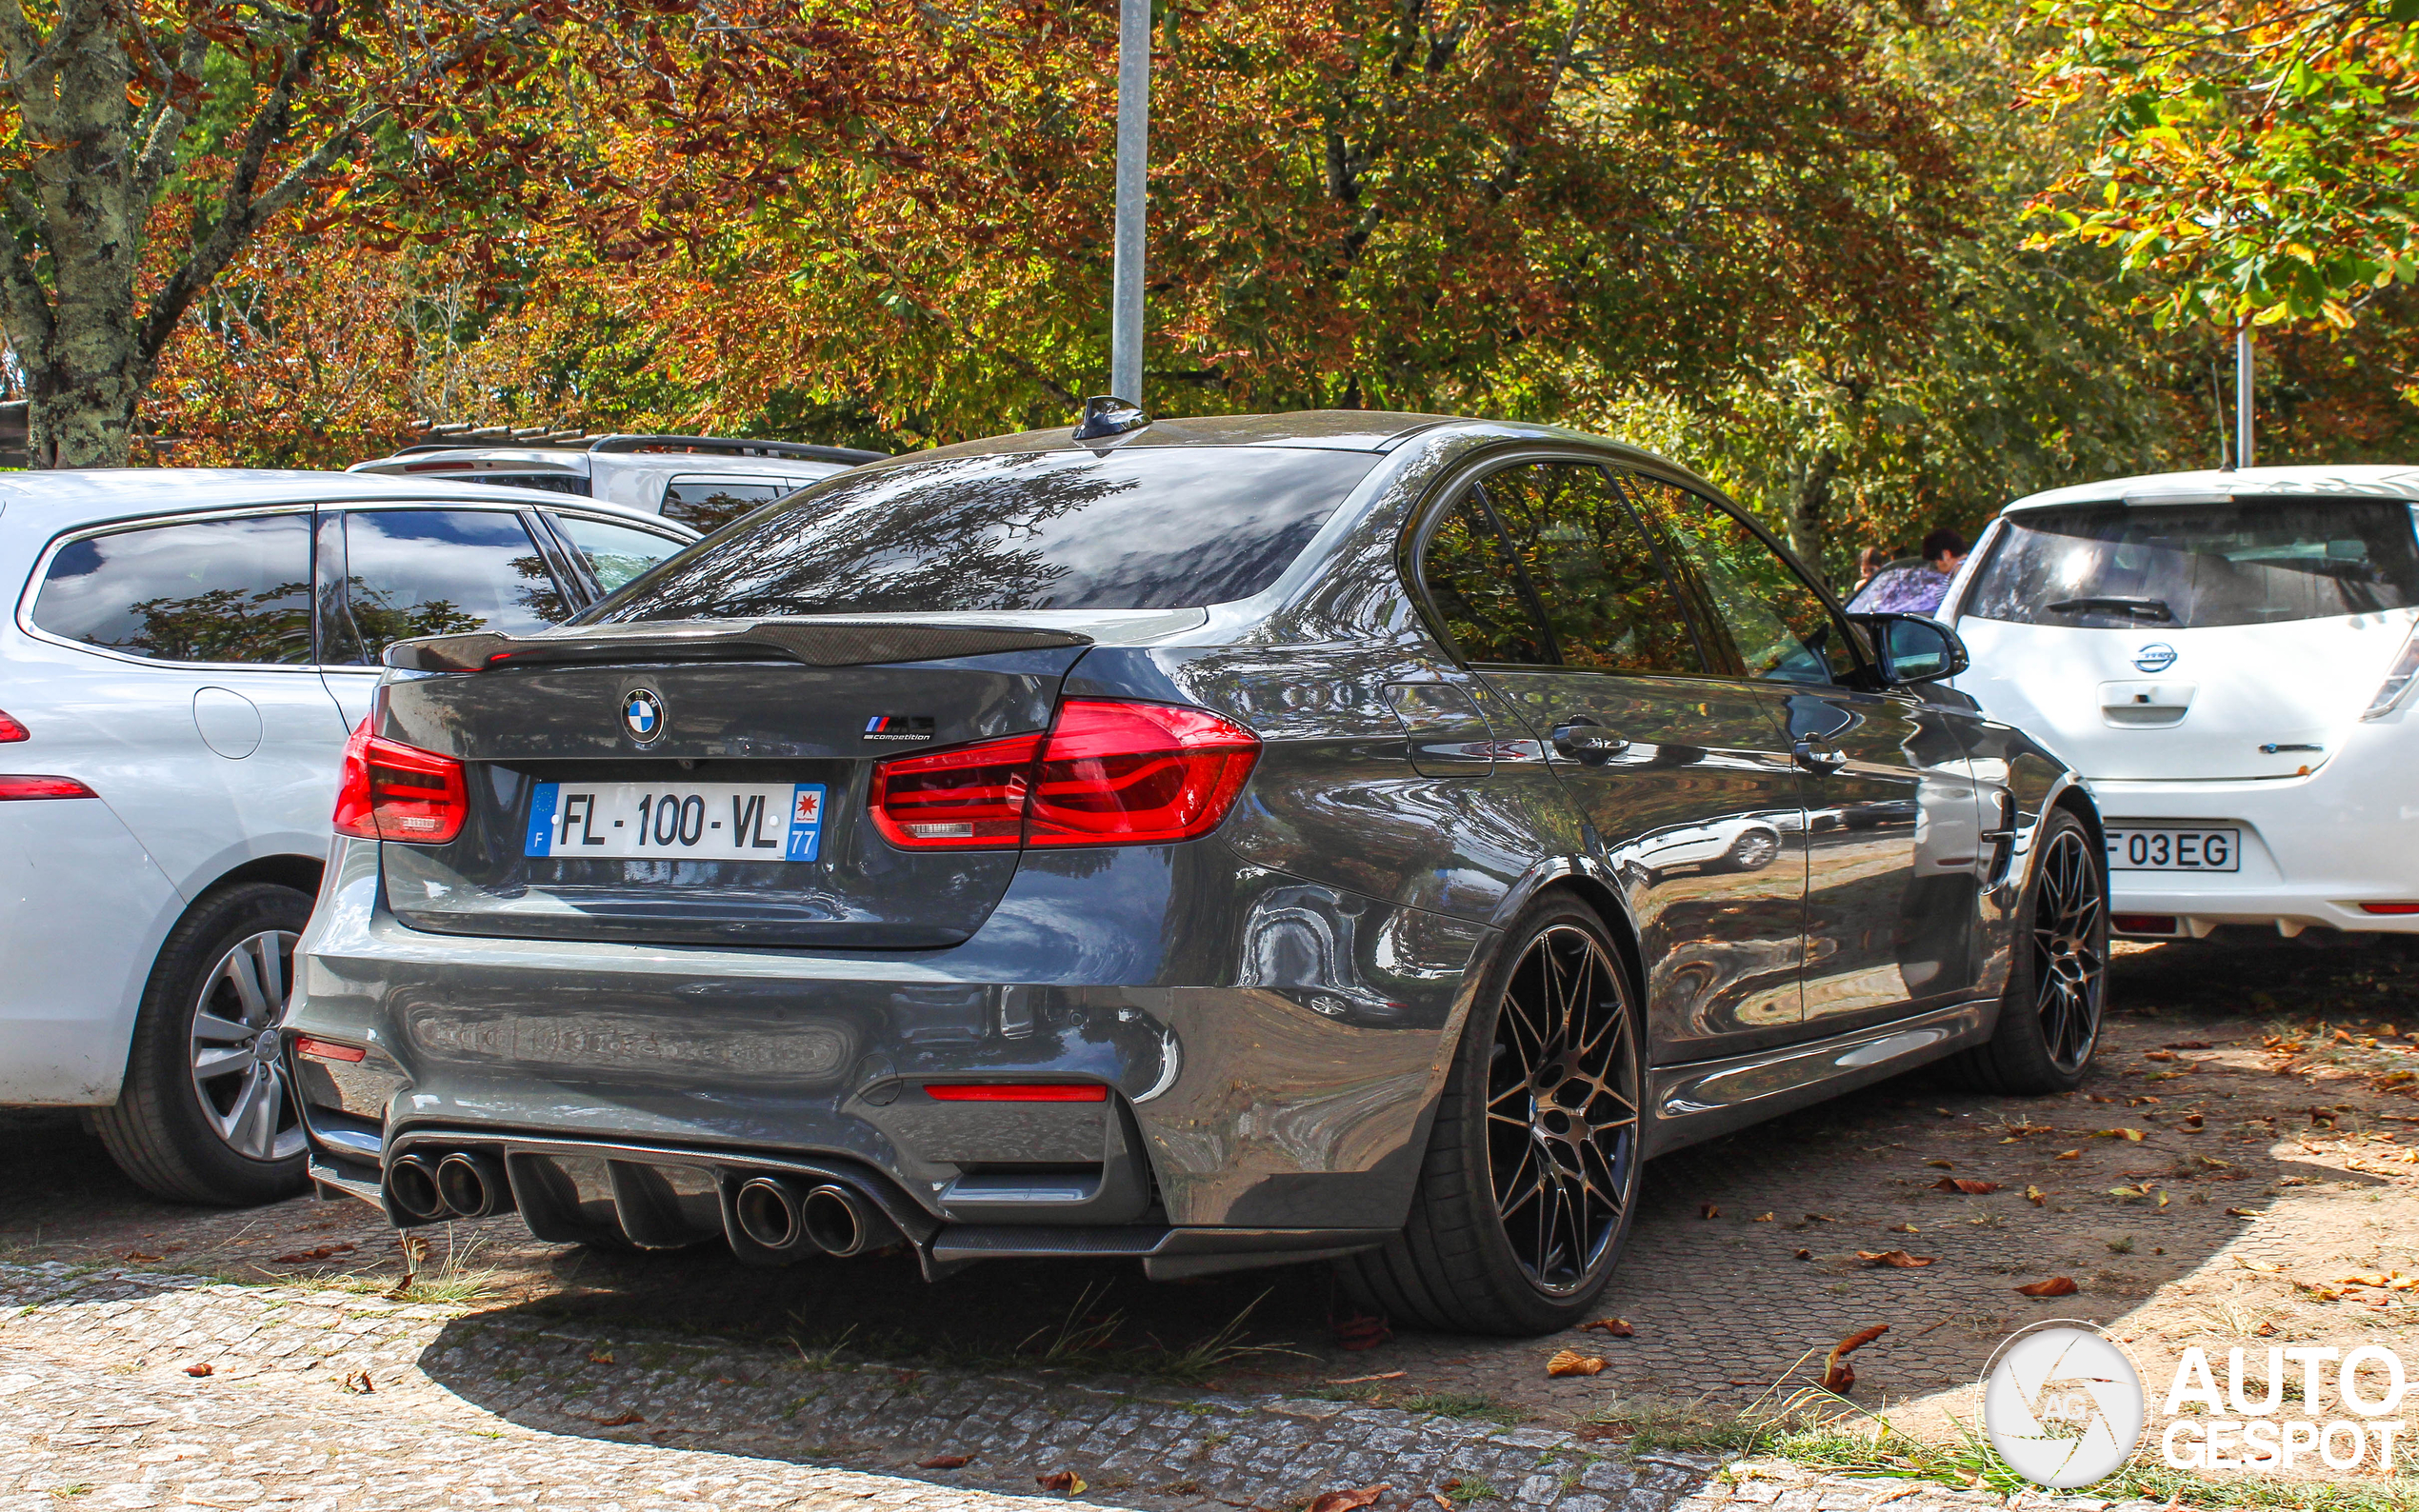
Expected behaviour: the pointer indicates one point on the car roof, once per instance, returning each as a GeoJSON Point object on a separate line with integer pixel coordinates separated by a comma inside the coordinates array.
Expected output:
{"type": "Point", "coordinates": [1327, 429]}
{"type": "Point", "coordinates": [2223, 484]}
{"type": "Point", "coordinates": [585, 464]}
{"type": "Point", "coordinates": [64, 499]}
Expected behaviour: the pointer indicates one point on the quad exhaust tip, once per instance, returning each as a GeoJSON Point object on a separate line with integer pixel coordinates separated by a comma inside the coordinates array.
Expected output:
{"type": "Point", "coordinates": [772, 1215]}
{"type": "Point", "coordinates": [766, 1211]}
{"type": "Point", "coordinates": [471, 1185]}
{"type": "Point", "coordinates": [411, 1186]}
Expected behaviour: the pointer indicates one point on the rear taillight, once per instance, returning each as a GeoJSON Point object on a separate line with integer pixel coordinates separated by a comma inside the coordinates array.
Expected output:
{"type": "Point", "coordinates": [392, 791]}
{"type": "Point", "coordinates": [2387, 909]}
{"type": "Point", "coordinates": [1017, 1091]}
{"type": "Point", "coordinates": [2397, 680]}
{"type": "Point", "coordinates": [43, 788]}
{"type": "Point", "coordinates": [1108, 773]}
{"type": "Point", "coordinates": [316, 1050]}
{"type": "Point", "coordinates": [10, 729]}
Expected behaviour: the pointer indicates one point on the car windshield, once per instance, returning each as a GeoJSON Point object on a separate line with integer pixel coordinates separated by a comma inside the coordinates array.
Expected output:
{"type": "Point", "coordinates": [1134, 529]}
{"type": "Point", "coordinates": [2182, 566]}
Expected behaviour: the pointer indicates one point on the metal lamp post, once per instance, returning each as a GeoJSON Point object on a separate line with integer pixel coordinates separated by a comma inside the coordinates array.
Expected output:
{"type": "Point", "coordinates": [1133, 159]}
{"type": "Point", "coordinates": [2241, 394]}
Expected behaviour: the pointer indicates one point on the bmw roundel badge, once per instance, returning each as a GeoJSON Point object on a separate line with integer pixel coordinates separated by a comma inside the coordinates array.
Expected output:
{"type": "Point", "coordinates": [2156, 656]}
{"type": "Point", "coordinates": [642, 714]}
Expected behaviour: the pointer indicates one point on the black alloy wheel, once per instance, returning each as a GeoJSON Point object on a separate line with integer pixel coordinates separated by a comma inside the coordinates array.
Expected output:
{"type": "Point", "coordinates": [1531, 1173]}
{"type": "Point", "coordinates": [2058, 970]}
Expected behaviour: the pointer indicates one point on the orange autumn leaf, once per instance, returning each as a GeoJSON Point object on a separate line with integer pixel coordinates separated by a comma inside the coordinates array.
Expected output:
{"type": "Point", "coordinates": [1572, 1362]}
{"type": "Point", "coordinates": [1896, 1259]}
{"type": "Point", "coordinates": [2054, 1286]}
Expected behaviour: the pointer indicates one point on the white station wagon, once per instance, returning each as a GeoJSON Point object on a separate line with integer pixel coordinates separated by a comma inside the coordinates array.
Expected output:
{"type": "Point", "coordinates": [2229, 657]}
{"type": "Point", "coordinates": [188, 651]}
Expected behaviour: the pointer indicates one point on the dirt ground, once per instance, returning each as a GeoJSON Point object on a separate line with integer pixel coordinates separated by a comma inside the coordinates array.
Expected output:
{"type": "Point", "coordinates": [2243, 1168]}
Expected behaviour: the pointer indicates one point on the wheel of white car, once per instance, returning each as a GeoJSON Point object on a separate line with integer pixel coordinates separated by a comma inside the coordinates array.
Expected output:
{"type": "Point", "coordinates": [204, 1115]}
{"type": "Point", "coordinates": [1753, 851]}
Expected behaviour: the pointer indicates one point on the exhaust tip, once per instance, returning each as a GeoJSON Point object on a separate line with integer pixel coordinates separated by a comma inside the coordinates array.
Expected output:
{"type": "Point", "coordinates": [766, 1212]}
{"type": "Point", "coordinates": [466, 1185]}
{"type": "Point", "coordinates": [411, 1186]}
{"type": "Point", "coordinates": [835, 1219]}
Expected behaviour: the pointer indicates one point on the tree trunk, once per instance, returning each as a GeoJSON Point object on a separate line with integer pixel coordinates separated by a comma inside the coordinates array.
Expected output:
{"type": "Point", "coordinates": [1808, 500]}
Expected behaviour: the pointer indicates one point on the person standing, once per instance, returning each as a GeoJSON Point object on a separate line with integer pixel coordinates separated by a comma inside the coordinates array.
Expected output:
{"type": "Point", "coordinates": [1914, 589]}
{"type": "Point", "coordinates": [1870, 562]}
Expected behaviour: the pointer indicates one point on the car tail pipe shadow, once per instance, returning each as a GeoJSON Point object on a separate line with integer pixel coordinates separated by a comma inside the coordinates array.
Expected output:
{"type": "Point", "coordinates": [775, 1221]}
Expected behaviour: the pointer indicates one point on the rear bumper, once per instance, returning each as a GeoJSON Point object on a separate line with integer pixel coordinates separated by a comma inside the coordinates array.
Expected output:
{"type": "Point", "coordinates": [2314, 848]}
{"type": "Point", "coordinates": [1270, 1048]}
{"type": "Point", "coordinates": [83, 910]}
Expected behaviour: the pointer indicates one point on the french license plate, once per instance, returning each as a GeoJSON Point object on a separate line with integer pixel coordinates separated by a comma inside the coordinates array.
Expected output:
{"type": "Point", "coordinates": [687, 821]}
{"type": "Point", "coordinates": [2132, 849]}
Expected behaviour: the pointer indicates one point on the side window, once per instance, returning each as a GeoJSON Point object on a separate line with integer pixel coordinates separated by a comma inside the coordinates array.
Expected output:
{"type": "Point", "coordinates": [616, 553]}
{"type": "Point", "coordinates": [208, 590]}
{"type": "Point", "coordinates": [442, 573]}
{"type": "Point", "coordinates": [1604, 591]}
{"type": "Point", "coordinates": [1779, 627]}
{"type": "Point", "coordinates": [708, 503]}
{"type": "Point", "coordinates": [1476, 589]}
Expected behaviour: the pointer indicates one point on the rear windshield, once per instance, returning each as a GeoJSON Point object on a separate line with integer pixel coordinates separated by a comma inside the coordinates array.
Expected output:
{"type": "Point", "coordinates": [1136, 528]}
{"type": "Point", "coordinates": [2252, 562]}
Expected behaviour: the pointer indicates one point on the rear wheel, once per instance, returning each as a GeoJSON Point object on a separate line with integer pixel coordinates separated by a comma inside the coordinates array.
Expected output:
{"type": "Point", "coordinates": [1531, 1171]}
{"type": "Point", "coordinates": [2057, 983]}
{"type": "Point", "coordinates": [204, 1115]}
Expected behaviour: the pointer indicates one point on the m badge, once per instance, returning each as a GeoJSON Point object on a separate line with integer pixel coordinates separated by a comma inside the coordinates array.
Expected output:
{"type": "Point", "coordinates": [898, 727]}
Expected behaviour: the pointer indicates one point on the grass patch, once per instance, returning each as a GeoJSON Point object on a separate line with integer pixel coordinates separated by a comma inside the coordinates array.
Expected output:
{"type": "Point", "coordinates": [1463, 1405]}
{"type": "Point", "coordinates": [1462, 1493]}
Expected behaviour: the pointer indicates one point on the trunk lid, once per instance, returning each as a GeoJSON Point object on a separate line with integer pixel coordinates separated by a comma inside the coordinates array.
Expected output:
{"type": "Point", "coordinates": [706, 784]}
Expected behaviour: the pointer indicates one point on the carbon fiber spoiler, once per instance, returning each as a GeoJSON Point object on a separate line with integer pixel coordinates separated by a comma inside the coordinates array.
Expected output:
{"type": "Point", "coordinates": [822, 642]}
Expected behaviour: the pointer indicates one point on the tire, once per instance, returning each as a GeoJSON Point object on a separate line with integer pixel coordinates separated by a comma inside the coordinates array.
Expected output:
{"type": "Point", "coordinates": [1753, 851]}
{"type": "Point", "coordinates": [173, 1129]}
{"type": "Point", "coordinates": [2057, 983]}
{"type": "Point", "coordinates": [1534, 1262]}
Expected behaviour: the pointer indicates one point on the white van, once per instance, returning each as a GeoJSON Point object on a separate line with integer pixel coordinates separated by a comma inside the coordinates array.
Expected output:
{"type": "Point", "coordinates": [2226, 656]}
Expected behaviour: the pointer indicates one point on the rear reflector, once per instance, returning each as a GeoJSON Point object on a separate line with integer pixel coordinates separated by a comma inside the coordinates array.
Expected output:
{"type": "Point", "coordinates": [389, 791]}
{"type": "Point", "coordinates": [328, 1049]}
{"type": "Point", "coordinates": [1017, 1091]}
{"type": "Point", "coordinates": [2390, 907]}
{"type": "Point", "coordinates": [2398, 680]}
{"type": "Point", "coordinates": [10, 729]}
{"type": "Point", "coordinates": [43, 788]}
{"type": "Point", "coordinates": [1108, 773]}
{"type": "Point", "coordinates": [2143, 923]}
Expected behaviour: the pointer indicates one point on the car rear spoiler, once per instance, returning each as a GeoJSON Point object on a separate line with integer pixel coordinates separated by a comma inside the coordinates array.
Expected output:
{"type": "Point", "coordinates": [824, 642]}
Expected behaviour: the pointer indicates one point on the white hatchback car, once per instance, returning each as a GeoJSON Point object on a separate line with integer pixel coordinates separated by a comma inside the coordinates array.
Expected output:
{"type": "Point", "coordinates": [2227, 656]}
{"type": "Point", "coordinates": [703, 481]}
{"type": "Point", "coordinates": [188, 651]}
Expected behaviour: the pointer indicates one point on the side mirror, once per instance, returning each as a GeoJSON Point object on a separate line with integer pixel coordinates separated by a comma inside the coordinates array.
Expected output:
{"type": "Point", "coordinates": [1914, 649]}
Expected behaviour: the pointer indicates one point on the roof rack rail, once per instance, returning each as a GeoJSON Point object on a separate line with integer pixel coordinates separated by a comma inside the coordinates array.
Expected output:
{"type": "Point", "coordinates": [737, 447]}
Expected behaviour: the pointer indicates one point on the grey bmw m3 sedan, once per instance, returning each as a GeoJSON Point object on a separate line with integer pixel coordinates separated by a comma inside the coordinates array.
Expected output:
{"type": "Point", "coordinates": [1218, 842]}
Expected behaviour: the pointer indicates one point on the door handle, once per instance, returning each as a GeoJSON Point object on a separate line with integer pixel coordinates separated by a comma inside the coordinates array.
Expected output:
{"type": "Point", "coordinates": [1584, 741]}
{"type": "Point", "coordinates": [1818, 756]}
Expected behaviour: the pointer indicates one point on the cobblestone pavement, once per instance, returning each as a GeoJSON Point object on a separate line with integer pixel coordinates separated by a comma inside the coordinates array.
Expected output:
{"type": "Point", "coordinates": [142, 1390]}
{"type": "Point", "coordinates": [2271, 1088]}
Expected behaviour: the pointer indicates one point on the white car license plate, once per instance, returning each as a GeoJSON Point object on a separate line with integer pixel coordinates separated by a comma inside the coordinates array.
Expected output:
{"type": "Point", "coordinates": [687, 821]}
{"type": "Point", "coordinates": [2132, 849]}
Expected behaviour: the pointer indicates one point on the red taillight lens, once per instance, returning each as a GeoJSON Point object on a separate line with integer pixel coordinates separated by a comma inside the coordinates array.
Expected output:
{"type": "Point", "coordinates": [43, 788]}
{"type": "Point", "coordinates": [392, 791]}
{"type": "Point", "coordinates": [1017, 1091]}
{"type": "Point", "coordinates": [1124, 774]}
{"type": "Point", "coordinates": [1109, 774]}
{"type": "Point", "coordinates": [329, 1050]}
{"type": "Point", "coordinates": [2365, 907]}
{"type": "Point", "coordinates": [971, 798]}
{"type": "Point", "coordinates": [10, 729]}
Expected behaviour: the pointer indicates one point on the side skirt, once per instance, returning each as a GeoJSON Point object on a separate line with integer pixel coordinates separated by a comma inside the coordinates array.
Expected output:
{"type": "Point", "coordinates": [1707, 1099]}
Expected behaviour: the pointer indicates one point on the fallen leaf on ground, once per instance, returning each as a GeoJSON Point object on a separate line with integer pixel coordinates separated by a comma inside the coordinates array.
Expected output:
{"type": "Point", "coordinates": [305, 1256]}
{"type": "Point", "coordinates": [1945, 1165]}
{"type": "Point", "coordinates": [1838, 1375]}
{"type": "Point", "coordinates": [2240, 1212]}
{"type": "Point", "coordinates": [600, 1356]}
{"type": "Point", "coordinates": [1708, 1210]}
{"type": "Point", "coordinates": [1820, 1217]}
{"type": "Point", "coordinates": [2054, 1286]}
{"type": "Point", "coordinates": [2189, 1045]}
{"type": "Point", "coordinates": [1362, 1380]}
{"type": "Point", "coordinates": [2097, 1098]}
{"type": "Point", "coordinates": [1616, 1328]}
{"type": "Point", "coordinates": [1065, 1481]}
{"type": "Point", "coordinates": [198, 1369]}
{"type": "Point", "coordinates": [1572, 1362]}
{"type": "Point", "coordinates": [1964, 1185]}
{"type": "Point", "coordinates": [2260, 1265]}
{"type": "Point", "coordinates": [1902, 1228]}
{"type": "Point", "coordinates": [2134, 1135]}
{"type": "Point", "coordinates": [1763, 1218]}
{"type": "Point", "coordinates": [1898, 1259]}
{"type": "Point", "coordinates": [358, 1384]}
{"type": "Point", "coordinates": [2035, 1196]}
{"type": "Point", "coordinates": [1345, 1500]}
{"type": "Point", "coordinates": [1362, 1332]}
{"type": "Point", "coordinates": [2193, 1121]}
{"type": "Point", "coordinates": [946, 1461]}
{"type": "Point", "coordinates": [138, 1255]}
{"type": "Point", "coordinates": [2067, 1155]}
{"type": "Point", "coordinates": [2158, 1055]}
{"type": "Point", "coordinates": [619, 1420]}
{"type": "Point", "coordinates": [1805, 1254]}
